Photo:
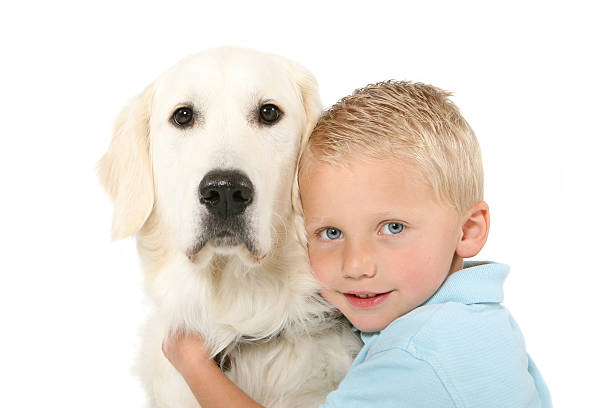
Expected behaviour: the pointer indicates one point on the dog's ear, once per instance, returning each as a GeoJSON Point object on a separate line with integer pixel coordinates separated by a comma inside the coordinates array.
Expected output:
{"type": "Point", "coordinates": [125, 169]}
{"type": "Point", "coordinates": [309, 92]}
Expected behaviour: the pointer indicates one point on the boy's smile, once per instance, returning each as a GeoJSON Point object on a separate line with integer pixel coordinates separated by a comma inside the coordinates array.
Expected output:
{"type": "Point", "coordinates": [379, 241]}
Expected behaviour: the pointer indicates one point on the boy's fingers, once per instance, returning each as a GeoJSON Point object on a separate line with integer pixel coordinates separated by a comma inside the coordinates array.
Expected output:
{"type": "Point", "coordinates": [165, 347]}
{"type": "Point", "coordinates": [170, 341]}
{"type": "Point", "coordinates": [182, 342]}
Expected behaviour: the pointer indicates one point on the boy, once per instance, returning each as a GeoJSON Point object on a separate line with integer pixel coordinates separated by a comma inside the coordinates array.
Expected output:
{"type": "Point", "coordinates": [391, 186]}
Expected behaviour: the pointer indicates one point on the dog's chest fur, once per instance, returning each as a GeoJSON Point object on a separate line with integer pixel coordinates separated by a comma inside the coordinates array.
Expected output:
{"type": "Point", "coordinates": [278, 340]}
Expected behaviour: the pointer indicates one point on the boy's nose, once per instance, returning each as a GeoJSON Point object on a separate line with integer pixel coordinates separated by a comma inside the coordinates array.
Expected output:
{"type": "Point", "coordinates": [358, 262]}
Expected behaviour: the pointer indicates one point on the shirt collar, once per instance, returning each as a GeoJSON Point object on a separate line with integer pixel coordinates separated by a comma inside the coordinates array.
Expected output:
{"type": "Point", "coordinates": [477, 282]}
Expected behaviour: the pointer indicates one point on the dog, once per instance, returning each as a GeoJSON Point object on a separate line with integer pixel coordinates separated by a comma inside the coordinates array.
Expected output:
{"type": "Point", "coordinates": [201, 168]}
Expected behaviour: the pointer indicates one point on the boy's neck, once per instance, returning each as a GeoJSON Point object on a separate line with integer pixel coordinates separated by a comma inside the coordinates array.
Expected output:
{"type": "Point", "coordinates": [456, 264]}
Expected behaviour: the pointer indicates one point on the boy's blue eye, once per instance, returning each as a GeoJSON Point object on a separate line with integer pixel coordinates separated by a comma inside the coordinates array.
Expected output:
{"type": "Point", "coordinates": [329, 234]}
{"type": "Point", "coordinates": [392, 228]}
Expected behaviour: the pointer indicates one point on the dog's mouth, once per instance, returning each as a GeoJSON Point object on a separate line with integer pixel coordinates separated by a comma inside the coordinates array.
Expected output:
{"type": "Point", "coordinates": [224, 241]}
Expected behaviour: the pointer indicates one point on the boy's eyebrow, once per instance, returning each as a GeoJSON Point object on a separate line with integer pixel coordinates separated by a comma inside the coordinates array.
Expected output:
{"type": "Point", "coordinates": [385, 215]}
{"type": "Point", "coordinates": [314, 220]}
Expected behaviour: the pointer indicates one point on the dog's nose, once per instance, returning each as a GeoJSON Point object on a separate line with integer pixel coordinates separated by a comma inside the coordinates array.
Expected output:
{"type": "Point", "coordinates": [226, 192]}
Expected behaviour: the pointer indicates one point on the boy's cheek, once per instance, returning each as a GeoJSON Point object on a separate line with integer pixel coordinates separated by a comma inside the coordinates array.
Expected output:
{"type": "Point", "coordinates": [325, 263]}
{"type": "Point", "coordinates": [329, 296]}
{"type": "Point", "coordinates": [318, 265]}
{"type": "Point", "coordinates": [321, 275]}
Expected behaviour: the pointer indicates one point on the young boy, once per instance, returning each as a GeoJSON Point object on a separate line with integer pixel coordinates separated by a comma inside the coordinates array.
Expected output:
{"type": "Point", "coordinates": [391, 185]}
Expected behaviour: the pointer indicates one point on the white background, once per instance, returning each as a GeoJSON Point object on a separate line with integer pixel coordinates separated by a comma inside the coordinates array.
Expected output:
{"type": "Point", "coordinates": [532, 78]}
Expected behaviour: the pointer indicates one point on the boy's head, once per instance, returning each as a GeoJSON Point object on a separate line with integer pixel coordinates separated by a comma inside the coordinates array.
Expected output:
{"type": "Point", "coordinates": [391, 189]}
{"type": "Point", "coordinates": [404, 120]}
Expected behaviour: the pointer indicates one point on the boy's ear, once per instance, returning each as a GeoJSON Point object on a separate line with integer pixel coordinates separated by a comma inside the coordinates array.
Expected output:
{"type": "Point", "coordinates": [474, 231]}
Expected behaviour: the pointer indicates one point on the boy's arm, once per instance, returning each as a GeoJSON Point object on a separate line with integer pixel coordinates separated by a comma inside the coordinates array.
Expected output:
{"type": "Point", "coordinates": [208, 384]}
{"type": "Point", "coordinates": [213, 389]}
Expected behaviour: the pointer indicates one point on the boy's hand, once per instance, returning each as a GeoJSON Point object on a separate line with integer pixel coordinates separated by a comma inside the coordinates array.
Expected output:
{"type": "Point", "coordinates": [185, 350]}
{"type": "Point", "coordinates": [188, 353]}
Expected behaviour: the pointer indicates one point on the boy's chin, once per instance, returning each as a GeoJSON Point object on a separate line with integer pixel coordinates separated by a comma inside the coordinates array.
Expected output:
{"type": "Point", "coordinates": [369, 325]}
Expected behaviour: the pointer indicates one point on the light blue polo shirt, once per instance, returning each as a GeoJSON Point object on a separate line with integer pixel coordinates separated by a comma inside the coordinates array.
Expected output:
{"type": "Point", "coordinates": [460, 349]}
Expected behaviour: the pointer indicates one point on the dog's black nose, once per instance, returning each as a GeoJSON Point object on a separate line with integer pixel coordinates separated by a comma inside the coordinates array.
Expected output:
{"type": "Point", "coordinates": [226, 192]}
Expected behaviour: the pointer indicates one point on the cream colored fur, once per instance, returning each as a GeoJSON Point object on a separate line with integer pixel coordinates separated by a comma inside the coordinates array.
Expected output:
{"type": "Point", "coordinates": [259, 307]}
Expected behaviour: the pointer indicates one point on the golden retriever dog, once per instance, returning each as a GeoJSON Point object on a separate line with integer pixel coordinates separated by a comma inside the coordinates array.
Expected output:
{"type": "Point", "coordinates": [201, 169]}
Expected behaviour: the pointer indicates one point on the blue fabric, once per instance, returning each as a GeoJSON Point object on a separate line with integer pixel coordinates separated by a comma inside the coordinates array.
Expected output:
{"type": "Point", "coordinates": [460, 349]}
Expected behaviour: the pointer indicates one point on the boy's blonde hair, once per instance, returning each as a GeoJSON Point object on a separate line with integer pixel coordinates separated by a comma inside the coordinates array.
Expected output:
{"type": "Point", "coordinates": [404, 120]}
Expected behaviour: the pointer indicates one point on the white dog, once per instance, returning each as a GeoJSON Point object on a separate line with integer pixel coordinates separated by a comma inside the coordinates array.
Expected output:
{"type": "Point", "coordinates": [201, 168]}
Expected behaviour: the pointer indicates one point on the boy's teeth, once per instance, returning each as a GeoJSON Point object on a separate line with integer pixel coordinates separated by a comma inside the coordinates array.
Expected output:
{"type": "Point", "coordinates": [365, 296]}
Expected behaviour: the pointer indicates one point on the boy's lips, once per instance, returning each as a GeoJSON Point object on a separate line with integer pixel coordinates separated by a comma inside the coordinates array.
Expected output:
{"type": "Point", "coordinates": [365, 300]}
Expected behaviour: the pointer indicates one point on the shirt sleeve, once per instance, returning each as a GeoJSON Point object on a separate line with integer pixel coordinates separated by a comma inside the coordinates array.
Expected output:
{"type": "Point", "coordinates": [390, 379]}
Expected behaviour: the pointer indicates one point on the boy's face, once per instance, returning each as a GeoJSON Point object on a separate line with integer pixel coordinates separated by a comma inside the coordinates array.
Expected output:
{"type": "Point", "coordinates": [378, 240]}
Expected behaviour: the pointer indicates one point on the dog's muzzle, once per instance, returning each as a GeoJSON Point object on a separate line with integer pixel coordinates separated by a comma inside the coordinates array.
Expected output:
{"type": "Point", "coordinates": [226, 194]}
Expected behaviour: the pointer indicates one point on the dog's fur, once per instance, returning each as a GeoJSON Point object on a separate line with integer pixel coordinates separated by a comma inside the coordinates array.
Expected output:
{"type": "Point", "coordinates": [252, 295]}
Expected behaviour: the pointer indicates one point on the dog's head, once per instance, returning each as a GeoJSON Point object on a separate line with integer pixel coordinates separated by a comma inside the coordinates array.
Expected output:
{"type": "Point", "coordinates": [210, 147]}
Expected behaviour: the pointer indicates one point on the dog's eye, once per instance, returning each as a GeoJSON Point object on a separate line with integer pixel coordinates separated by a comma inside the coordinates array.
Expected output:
{"type": "Point", "coordinates": [269, 114]}
{"type": "Point", "coordinates": [182, 116]}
